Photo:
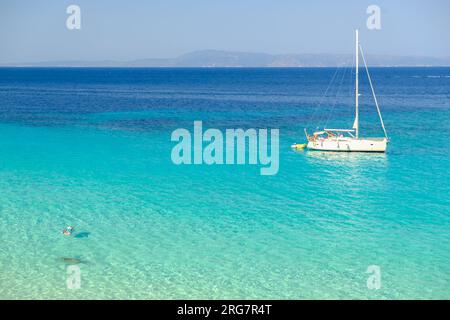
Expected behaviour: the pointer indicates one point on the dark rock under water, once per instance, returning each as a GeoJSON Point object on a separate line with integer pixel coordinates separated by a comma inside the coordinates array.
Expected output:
{"type": "Point", "coordinates": [72, 260]}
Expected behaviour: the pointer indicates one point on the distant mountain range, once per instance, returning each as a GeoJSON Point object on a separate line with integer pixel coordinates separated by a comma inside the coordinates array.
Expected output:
{"type": "Point", "coordinates": [216, 58]}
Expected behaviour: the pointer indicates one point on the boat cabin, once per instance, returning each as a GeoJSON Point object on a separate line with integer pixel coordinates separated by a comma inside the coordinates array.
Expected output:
{"type": "Point", "coordinates": [332, 133]}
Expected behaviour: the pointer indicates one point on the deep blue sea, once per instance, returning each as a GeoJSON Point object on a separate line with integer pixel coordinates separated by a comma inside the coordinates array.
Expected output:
{"type": "Point", "coordinates": [91, 148]}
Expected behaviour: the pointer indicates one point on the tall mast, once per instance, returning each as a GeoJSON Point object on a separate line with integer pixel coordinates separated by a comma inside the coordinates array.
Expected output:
{"type": "Point", "coordinates": [356, 123]}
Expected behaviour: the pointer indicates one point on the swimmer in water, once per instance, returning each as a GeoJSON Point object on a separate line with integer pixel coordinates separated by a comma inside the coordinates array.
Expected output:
{"type": "Point", "coordinates": [68, 231]}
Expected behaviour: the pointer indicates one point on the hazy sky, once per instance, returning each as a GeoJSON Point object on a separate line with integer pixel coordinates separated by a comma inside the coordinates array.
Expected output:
{"type": "Point", "coordinates": [32, 31]}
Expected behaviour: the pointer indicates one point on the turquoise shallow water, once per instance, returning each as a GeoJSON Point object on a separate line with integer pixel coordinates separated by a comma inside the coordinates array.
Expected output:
{"type": "Point", "coordinates": [91, 148]}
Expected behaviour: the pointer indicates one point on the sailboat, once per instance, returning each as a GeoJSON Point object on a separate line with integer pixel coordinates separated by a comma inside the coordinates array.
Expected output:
{"type": "Point", "coordinates": [348, 140]}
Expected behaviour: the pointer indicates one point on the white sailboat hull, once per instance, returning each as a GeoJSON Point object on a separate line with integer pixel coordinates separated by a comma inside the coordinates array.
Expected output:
{"type": "Point", "coordinates": [349, 144]}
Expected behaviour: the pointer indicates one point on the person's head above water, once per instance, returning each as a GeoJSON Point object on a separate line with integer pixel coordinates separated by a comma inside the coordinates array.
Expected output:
{"type": "Point", "coordinates": [67, 231]}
